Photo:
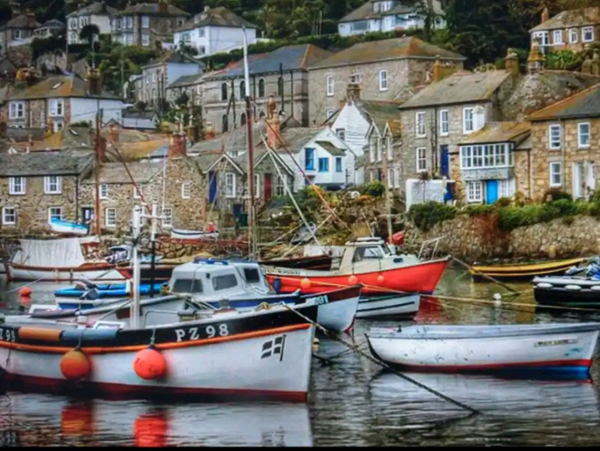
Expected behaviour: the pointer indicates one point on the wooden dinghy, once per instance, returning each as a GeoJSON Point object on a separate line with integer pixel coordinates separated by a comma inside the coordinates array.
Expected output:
{"type": "Point", "coordinates": [545, 348]}
{"type": "Point", "coordinates": [523, 272]}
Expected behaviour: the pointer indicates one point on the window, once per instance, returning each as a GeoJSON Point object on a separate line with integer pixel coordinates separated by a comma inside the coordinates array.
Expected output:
{"type": "Point", "coordinates": [555, 136]}
{"type": "Point", "coordinates": [420, 124]}
{"type": "Point", "coordinates": [129, 20]}
{"type": "Point", "coordinates": [507, 187]}
{"type": "Point", "coordinates": [485, 156]}
{"type": "Point", "coordinates": [257, 186]}
{"type": "Point", "coordinates": [355, 78]}
{"type": "Point", "coordinates": [309, 159]}
{"type": "Point", "coordinates": [17, 110]}
{"type": "Point", "coordinates": [187, 286]}
{"type": "Point", "coordinates": [338, 164]}
{"type": "Point", "coordinates": [390, 178]}
{"type": "Point", "coordinates": [261, 88]}
{"type": "Point", "coordinates": [154, 77]}
{"type": "Point", "coordinates": [73, 24]}
{"type": "Point", "coordinates": [180, 22]}
{"type": "Point", "coordinates": [361, 25]}
{"type": "Point", "coordinates": [583, 135]}
{"type": "Point", "coordinates": [341, 133]}
{"type": "Point", "coordinates": [145, 40]}
{"type": "Point", "coordinates": [251, 275]}
{"type": "Point", "coordinates": [9, 216]}
{"type": "Point", "coordinates": [330, 113]}
{"type": "Point", "coordinates": [587, 34]}
{"type": "Point", "coordinates": [383, 83]}
{"type": "Point", "coordinates": [201, 32]}
{"type": "Point", "coordinates": [58, 126]}
{"type": "Point", "coordinates": [330, 86]}
{"type": "Point", "coordinates": [224, 91]}
{"type": "Point", "coordinates": [53, 184]}
{"type": "Point", "coordinates": [224, 282]}
{"type": "Point", "coordinates": [467, 120]}
{"type": "Point", "coordinates": [17, 34]}
{"type": "Point", "coordinates": [556, 174]}
{"type": "Point", "coordinates": [224, 123]}
{"type": "Point", "coordinates": [17, 185]}
{"type": "Point", "coordinates": [55, 214]}
{"type": "Point", "coordinates": [324, 164]}
{"type": "Point", "coordinates": [542, 37]}
{"type": "Point", "coordinates": [110, 217]}
{"type": "Point", "coordinates": [279, 189]}
{"type": "Point", "coordinates": [557, 37]}
{"type": "Point", "coordinates": [474, 192]}
{"type": "Point", "coordinates": [390, 150]}
{"type": "Point", "coordinates": [421, 159]}
{"type": "Point", "coordinates": [145, 22]}
{"type": "Point", "coordinates": [57, 107]}
{"type": "Point", "coordinates": [379, 150]}
{"type": "Point", "coordinates": [397, 175]}
{"type": "Point", "coordinates": [118, 24]}
{"type": "Point", "coordinates": [573, 36]}
{"type": "Point", "coordinates": [186, 190]}
{"type": "Point", "coordinates": [372, 146]}
{"type": "Point", "coordinates": [167, 220]}
{"type": "Point", "coordinates": [444, 126]}
{"type": "Point", "coordinates": [229, 184]}
{"type": "Point", "coordinates": [103, 191]}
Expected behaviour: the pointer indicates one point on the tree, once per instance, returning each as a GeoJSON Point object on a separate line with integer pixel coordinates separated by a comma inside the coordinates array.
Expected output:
{"type": "Point", "coordinates": [87, 32]}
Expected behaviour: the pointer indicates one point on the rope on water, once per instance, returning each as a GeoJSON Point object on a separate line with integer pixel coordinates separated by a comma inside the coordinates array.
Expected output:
{"type": "Point", "coordinates": [475, 272]}
{"type": "Point", "coordinates": [383, 364]}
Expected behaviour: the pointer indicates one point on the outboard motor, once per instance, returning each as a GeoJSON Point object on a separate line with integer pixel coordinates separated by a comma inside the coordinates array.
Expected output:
{"type": "Point", "coordinates": [92, 295]}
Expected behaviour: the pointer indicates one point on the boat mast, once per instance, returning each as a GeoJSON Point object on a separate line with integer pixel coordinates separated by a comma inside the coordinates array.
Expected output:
{"type": "Point", "coordinates": [97, 172]}
{"type": "Point", "coordinates": [135, 305]}
{"type": "Point", "coordinates": [388, 182]}
{"type": "Point", "coordinates": [251, 215]}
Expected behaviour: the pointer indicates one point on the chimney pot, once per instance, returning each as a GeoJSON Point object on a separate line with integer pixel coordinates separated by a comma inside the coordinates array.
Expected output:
{"type": "Point", "coordinates": [511, 62]}
{"type": "Point", "coordinates": [178, 145]}
{"type": "Point", "coordinates": [353, 91]}
{"type": "Point", "coordinates": [545, 15]}
{"type": "Point", "coordinates": [273, 125]}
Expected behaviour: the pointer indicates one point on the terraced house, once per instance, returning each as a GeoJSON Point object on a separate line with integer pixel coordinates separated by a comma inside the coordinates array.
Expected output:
{"type": "Point", "coordinates": [98, 13]}
{"type": "Point", "coordinates": [569, 30]}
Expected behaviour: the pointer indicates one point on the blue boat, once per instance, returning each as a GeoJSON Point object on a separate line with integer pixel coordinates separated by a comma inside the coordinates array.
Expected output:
{"type": "Point", "coordinates": [103, 291]}
{"type": "Point", "coordinates": [66, 227]}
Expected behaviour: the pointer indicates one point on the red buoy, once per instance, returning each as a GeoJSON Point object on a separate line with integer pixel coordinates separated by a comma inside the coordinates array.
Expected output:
{"type": "Point", "coordinates": [25, 291]}
{"type": "Point", "coordinates": [75, 365]}
{"type": "Point", "coordinates": [353, 280]}
{"type": "Point", "coordinates": [380, 279]}
{"type": "Point", "coordinates": [305, 283]}
{"type": "Point", "coordinates": [150, 364]}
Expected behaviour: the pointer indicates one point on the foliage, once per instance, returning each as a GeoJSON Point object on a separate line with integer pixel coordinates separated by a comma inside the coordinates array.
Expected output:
{"type": "Point", "coordinates": [479, 210]}
{"type": "Point", "coordinates": [80, 124]}
{"type": "Point", "coordinates": [503, 202]}
{"type": "Point", "coordinates": [564, 60]}
{"type": "Point", "coordinates": [54, 45]}
{"type": "Point", "coordinates": [373, 189]}
{"type": "Point", "coordinates": [87, 32]}
{"type": "Point", "coordinates": [427, 214]}
{"type": "Point", "coordinates": [554, 194]}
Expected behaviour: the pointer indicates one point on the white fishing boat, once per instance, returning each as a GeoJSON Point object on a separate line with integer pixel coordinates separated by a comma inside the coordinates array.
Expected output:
{"type": "Point", "coordinates": [180, 234]}
{"type": "Point", "coordinates": [561, 348]}
{"type": "Point", "coordinates": [393, 306]}
{"type": "Point", "coordinates": [68, 228]}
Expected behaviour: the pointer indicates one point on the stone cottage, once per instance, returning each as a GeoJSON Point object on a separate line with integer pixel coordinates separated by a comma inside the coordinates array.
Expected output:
{"type": "Point", "coordinates": [388, 70]}
{"type": "Point", "coordinates": [18, 31]}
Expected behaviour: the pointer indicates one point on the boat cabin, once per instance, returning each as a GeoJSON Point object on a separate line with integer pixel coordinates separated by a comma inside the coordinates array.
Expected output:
{"type": "Point", "coordinates": [217, 278]}
{"type": "Point", "coordinates": [370, 249]}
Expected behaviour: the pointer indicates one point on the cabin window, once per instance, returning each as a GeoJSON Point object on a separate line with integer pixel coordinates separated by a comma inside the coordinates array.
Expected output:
{"type": "Point", "coordinates": [367, 253]}
{"type": "Point", "coordinates": [224, 282]}
{"type": "Point", "coordinates": [251, 275]}
{"type": "Point", "coordinates": [187, 286]}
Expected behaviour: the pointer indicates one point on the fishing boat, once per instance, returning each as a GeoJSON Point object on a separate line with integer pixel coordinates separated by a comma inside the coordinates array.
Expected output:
{"type": "Point", "coordinates": [522, 272]}
{"type": "Point", "coordinates": [546, 348]}
{"type": "Point", "coordinates": [68, 228]}
{"type": "Point", "coordinates": [180, 234]}
{"type": "Point", "coordinates": [59, 260]}
{"type": "Point", "coordinates": [567, 291]}
{"type": "Point", "coordinates": [366, 261]}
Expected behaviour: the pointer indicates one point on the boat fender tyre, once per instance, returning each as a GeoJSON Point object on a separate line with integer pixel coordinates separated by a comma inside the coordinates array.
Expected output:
{"type": "Point", "coordinates": [544, 285]}
{"type": "Point", "coordinates": [75, 365]}
{"type": "Point", "coordinates": [150, 364]}
{"type": "Point", "coordinates": [573, 287]}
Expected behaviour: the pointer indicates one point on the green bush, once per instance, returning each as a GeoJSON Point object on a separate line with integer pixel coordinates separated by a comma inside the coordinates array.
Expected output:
{"type": "Point", "coordinates": [596, 196]}
{"type": "Point", "coordinates": [503, 202]}
{"type": "Point", "coordinates": [565, 207]}
{"type": "Point", "coordinates": [554, 194]}
{"type": "Point", "coordinates": [479, 210]}
{"type": "Point", "coordinates": [373, 189]}
{"type": "Point", "coordinates": [427, 214]}
{"type": "Point", "coordinates": [512, 217]}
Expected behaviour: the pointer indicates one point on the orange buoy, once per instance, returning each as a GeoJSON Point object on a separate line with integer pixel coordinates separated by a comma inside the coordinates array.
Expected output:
{"type": "Point", "coordinates": [380, 279]}
{"type": "Point", "coordinates": [353, 280]}
{"type": "Point", "coordinates": [25, 291]}
{"type": "Point", "coordinates": [305, 284]}
{"type": "Point", "coordinates": [150, 364]}
{"type": "Point", "coordinates": [75, 365]}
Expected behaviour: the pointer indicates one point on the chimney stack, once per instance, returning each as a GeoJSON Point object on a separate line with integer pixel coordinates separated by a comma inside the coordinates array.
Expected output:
{"type": "Point", "coordinates": [545, 15]}
{"type": "Point", "coordinates": [93, 79]}
{"type": "Point", "coordinates": [162, 6]}
{"type": "Point", "coordinates": [178, 145]}
{"type": "Point", "coordinates": [441, 71]}
{"type": "Point", "coordinates": [535, 61]}
{"type": "Point", "coordinates": [273, 125]}
{"type": "Point", "coordinates": [209, 131]}
{"type": "Point", "coordinates": [511, 62]}
{"type": "Point", "coordinates": [353, 92]}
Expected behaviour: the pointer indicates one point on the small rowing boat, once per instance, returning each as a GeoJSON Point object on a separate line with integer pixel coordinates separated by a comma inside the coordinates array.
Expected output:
{"type": "Point", "coordinates": [522, 272]}
{"type": "Point", "coordinates": [68, 228]}
{"type": "Point", "coordinates": [562, 348]}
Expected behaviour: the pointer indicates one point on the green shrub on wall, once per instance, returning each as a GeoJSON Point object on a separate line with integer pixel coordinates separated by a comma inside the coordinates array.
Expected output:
{"type": "Point", "coordinates": [427, 214]}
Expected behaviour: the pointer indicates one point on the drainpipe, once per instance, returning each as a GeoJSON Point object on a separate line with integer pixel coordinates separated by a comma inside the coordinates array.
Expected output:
{"type": "Point", "coordinates": [434, 142]}
{"type": "Point", "coordinates": [292, 94]}
{"type": "Point", "coordinates": [76, 199]}
{"type": "Point", "coordinates": [564, 156]}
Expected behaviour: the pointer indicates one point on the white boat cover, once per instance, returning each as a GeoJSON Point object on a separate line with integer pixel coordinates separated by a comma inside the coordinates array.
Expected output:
{"type": "Point", "coordinates": [63, 253]}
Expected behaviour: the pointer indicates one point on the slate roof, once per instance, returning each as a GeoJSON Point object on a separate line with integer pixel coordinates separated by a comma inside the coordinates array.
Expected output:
{"type": "Point", "coordinates": [295, 138]}
{"type": "Point", "coordinates": [291, 57]}
{"type": "Point", "coordinates": [461, 87]}
{"type": "Point", "coordinates": [216, 17]}
{"type": "Point", "coordinates": [173, 57]}
{"type": "Point", "coordinates": [56, 86]}
{"type": "Point", "coordinates": [331, 148]}
{"type": "Point", "coordinates": [387, 49]}
{"type": "Point", "coordinates": [45, 163]}
{"type": "Point", "coordinates": [584, 104]}
{"type": "Point", "coordinates": [186, 80]}
{"type": "Point", "coordinates": [151, 9]}
{"type": "Point", "coordinates": [53, 24]}
{"type": "Point", "coordinates": [571, 18]}
{"type": "Point", "coordinates": [115, 173]}
{"type": "Point", "coordinates": [128, 113]}
{"type": "Point", "coordinates": [94, 8]}
{"type": "Point", "coordinates": [23, 22]}
{"type": "Point", "coordinates": [7, 65]}
{"type": "Point", "coordinates": [500, 132]}
{"type": "Point", "coordinates": [377, 112]}
{"type": "Point", "coordinates": [366, 11]}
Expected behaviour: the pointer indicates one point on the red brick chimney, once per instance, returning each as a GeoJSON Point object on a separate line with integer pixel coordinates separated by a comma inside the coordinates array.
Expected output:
{"type": "Point", "coordinates": [177, 146]}
{"type": "Point", "coordinates": [209, 131]}
{"type": "Point", "coordinates": [102, 149]}
{"type": "Point", "coordinates": [545, 15]}
{"type": "Point", "coordinates": [93, 82]}
{"type": "Point", "coordinates": [273, 125]}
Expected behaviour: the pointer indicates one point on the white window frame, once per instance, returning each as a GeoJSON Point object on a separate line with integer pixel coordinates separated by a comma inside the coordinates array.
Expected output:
{"type": "Point", "coordinates": [186, 190]}
{"type": "Point", "coordinates": [145, 40]}
{"type": "Point", "coordinates": [551, 143]}
{"type": "Point", "coordinates": [379, 149]}
{"type": "Point", "coordinates": [585, 30]}
{"type": "Point", "coordinates": [397, 177]}
{"type": "Point", "coordinates": [145, 21]}
{"type": "Point", "coordinates": [50, 213]}
{"type": "Point", "coordinates": [52, 184]}
{"type": "Point", "coordinates": [372, 149]}
{"type": "Point", "coordinates": [355, 78]}
{"type": "Point", "coordinates": [383, 81]}
{"type": "Point", "coordinates": [17, 34]}
{"type": "Point", "coordinates": [390, 177]}
{"type": "Point", "coordinates": [579, 135]}
{"type": "Point", "coordinates": [421, 154]}
{"type": "Point", "coordinates": [544, 35]}
{"type": "Point", "coordinates": [329, 113]}
{"type": "Point", "coordinates": [466, 121]}
{"type": "Point", "coordinates": [257, 192]}
{"type": "Point", "coordinates": [444, 131]}
{"type": "Point", "coordinates": [230, 194]}
{"type": "Point", "coordinates": [110, 217]}
{"type": "Point", "coordinates": [420, 129]}
{"type": "Point", "coordinates": [573, 36]}
{"type": "Point", "coordinates": [474, 191]}
{"type": "Point", "coordinates": [389, 148]}
{"type": "Point", "coordinates": [558, 33]}
{"type": "Point", "coordinates": [330, 85]}
{"type": "Point", "coordinates": [16, 110]}
{"type": "Point", "coordinates": [4, 215]}
{"type": "Point", "coordinates": [57, 107]}
{"type": "Point", "coordinates": [336, 159]}
{"type": "Point", "coordinates": [103, 191]}
{"type": "Point", "coordinates": [167, 220]}
{"type": "Point", "coordinates": [486, 156]}
{"type": "Point", "coordinates": [552, 173]}
{"type": "Point", "coordinates": [129, 22]}
{"type": "Point", "coordinates": [12, 185]}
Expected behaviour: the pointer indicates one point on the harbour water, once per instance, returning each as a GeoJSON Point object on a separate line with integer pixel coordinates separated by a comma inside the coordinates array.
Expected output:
{"type": "Point", "coordinates": [353, 402]}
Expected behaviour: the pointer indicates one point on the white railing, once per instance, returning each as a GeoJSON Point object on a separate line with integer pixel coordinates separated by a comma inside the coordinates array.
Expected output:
{"type": "Point", "coordinates": [426, 243]}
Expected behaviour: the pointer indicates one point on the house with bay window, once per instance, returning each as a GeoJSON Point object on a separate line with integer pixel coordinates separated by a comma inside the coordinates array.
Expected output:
{"type": "Point", "coordinates": [568, 30]}
{"type": "Point", "coordinates": [566, 145]}
{"type": "Point", "coordinates": [97, 13]}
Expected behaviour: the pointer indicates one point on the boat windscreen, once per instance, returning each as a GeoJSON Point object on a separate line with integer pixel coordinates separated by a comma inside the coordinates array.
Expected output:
{"type": "Point", "coordinates": [187, 286]}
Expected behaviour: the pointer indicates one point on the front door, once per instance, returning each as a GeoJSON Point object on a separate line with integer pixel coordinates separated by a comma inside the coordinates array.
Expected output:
{"type": "Point", "coordinates": [445, 161]}
{"type": "Point", "coordinates": [491, 191]}
{"type": "Point", "coordinates": [212, 187]}
{"type": "Point", "coordinates": [268, 187]}
{"type": "Point", "coordinates": [87, 214]}
{"type": "Point", "coordinates": [577, 180]}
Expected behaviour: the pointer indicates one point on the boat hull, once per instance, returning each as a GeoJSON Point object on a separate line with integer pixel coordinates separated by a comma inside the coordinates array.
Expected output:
{"type": "Point", "coordinates": [318, 262]}
{"type": "Point", "coordinates": [388, 306]}
{"type": "Point", "coordinates": [562, 349]}
{"type": "Point", "coordinates": [106, 291]}
{"type": "Point", "coordinates": [522, 272]}
{"type": "Point", "coordinates": [193, 235]}
{"type": "Point", "coordinates": [421, 278]}
{"type": "Point", "coordinates": [68, 228]}
{"type": "Point", "coordinates": [101, 272]}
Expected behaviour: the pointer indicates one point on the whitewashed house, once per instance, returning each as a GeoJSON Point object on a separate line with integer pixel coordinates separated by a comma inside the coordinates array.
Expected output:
{"type": "Point", "coordinates": [215, 30]}
{"type": "Point", "coordinates": [98, 13]}
{"type": "Point", "coordinates": [390, 15]}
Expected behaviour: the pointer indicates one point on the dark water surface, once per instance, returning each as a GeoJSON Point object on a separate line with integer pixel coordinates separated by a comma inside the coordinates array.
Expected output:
{"type": "Point", "coordinates": [352, 402]}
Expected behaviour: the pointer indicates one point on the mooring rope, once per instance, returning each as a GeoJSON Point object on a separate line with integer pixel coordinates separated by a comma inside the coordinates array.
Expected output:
{"type": "Point", "coordinates": [55, 270]}
{"type": "Point", "coordinates": [355, 349]}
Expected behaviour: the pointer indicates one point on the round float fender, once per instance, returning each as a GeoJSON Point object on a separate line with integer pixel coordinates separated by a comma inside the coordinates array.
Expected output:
{"type": "Point", "coordinates": [544, 285]}
{"type": "Point", "coordinates": [573, 287]}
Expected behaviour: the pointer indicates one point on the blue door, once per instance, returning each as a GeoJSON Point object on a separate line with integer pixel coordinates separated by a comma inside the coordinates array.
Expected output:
{"type": "Point", "coordinates": [491, 191]}
{"type": "Point", "coordinates": [212, 187]}
{"type": "Point", "coordinates": [445, 161]}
